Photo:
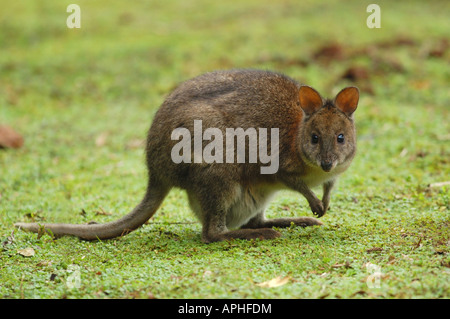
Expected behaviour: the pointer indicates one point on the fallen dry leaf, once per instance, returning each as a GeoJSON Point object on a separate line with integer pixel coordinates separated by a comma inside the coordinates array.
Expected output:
{"type": "Point", "coordinates": [374, 249]}
{"type": "Point", "coordinates": [26, 252]}
{"type": "Point", "coordinates": [101, 139]}
{"type": "Point", "coordinates": [275, 282]}
{"type": "Point", "coordinates": [9, 240]}
{"type": "Point", "coordinates": [440, 184]}
{"type": "Point", "coordinates": [330, 52]}
{"type": "Point", "coordinates": [406, 257]}
{"type": "Point", "coordinates": [356, 73]}
{"type": "Point", "coordinates": [135, 144]}
{"type": "Point", "coordinates": [391, 260]}
{"type": "Point", "coordinates": [10, 138]}
{"type": "Point", "coordinates": [102, 212]}
{"type": "Point", "coordinates": [346, 265]}
{"type": "Point", "coordinates": [44, 263]}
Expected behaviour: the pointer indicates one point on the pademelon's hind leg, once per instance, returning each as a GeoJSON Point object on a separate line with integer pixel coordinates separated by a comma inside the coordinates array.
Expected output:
{"type": "Point", "coordinates": [214, 229]}
{"type": "Point", "coordinates": [214, 209]}
{"type": "Point", "coordinates": [259, 221]}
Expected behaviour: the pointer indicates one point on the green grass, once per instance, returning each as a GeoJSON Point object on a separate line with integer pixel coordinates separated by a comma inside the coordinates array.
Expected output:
{"type": "Point", "coordinates": [84, 99]}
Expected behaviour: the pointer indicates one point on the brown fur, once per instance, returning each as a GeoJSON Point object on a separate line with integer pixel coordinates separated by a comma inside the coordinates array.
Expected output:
{"type": "Point", "coordinates": [229, 198]}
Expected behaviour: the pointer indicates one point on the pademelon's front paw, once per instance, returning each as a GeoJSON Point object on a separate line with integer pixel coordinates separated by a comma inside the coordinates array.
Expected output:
{"type": "Point", "coordinates": [317, 207]}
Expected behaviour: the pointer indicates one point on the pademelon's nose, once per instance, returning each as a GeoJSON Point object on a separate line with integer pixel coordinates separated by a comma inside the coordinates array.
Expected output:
{"type": "Point", "coordinates": [326, 165]}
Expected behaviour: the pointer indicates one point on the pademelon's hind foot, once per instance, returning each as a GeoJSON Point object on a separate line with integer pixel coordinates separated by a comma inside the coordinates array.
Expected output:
{"type": "Point", "coordinates": [248, 234]}
{"type": "Point", "coordinates": [260, 222]}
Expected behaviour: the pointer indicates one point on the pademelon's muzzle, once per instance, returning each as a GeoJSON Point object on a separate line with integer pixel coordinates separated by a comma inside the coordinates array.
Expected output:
{"type": "Point", "coordinates": [326, 165]}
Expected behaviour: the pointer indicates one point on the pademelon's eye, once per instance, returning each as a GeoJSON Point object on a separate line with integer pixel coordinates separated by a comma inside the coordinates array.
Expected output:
{"type": "Point", "coordinates": [340, 138]}
{"type": "Point", "coordinates": [314, 139]}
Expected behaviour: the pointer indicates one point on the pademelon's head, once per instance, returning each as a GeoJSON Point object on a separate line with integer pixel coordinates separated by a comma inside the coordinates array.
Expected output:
{"type": "Point", "coordinates": [327, 134]}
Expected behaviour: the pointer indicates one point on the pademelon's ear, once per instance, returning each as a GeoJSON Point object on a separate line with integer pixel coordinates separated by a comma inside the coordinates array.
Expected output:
{"type": "Point", "coordinates": [310, 99]}
{"type": "Point", "coordinates": [347, 100]}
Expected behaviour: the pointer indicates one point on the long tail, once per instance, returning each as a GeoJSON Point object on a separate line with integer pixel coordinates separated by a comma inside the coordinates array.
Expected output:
{"type": "Point", "coordinates": [138, 216]}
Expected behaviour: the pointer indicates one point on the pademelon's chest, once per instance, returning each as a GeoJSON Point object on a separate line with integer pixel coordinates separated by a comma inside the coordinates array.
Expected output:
{"type": "Point", "coordinates": [316, 176]}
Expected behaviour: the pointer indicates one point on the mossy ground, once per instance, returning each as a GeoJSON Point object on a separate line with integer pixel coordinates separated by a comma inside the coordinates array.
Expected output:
{"type": "Point", "coordinates": [84, 99]}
